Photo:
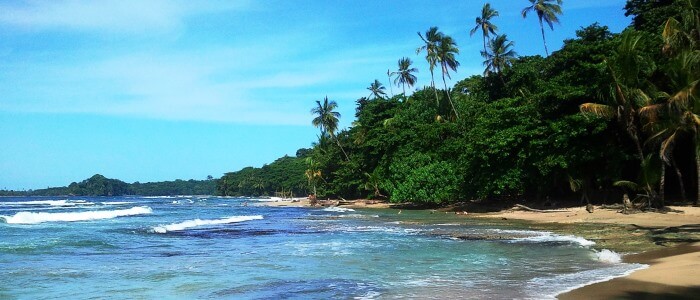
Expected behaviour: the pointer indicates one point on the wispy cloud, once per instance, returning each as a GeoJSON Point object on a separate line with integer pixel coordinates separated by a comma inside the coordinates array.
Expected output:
{"type": "Point", "coordinates": [126, 16]}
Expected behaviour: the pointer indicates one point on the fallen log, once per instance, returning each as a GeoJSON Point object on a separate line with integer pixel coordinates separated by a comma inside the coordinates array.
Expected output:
{"type": "Point", "coordinates": [538, 210]}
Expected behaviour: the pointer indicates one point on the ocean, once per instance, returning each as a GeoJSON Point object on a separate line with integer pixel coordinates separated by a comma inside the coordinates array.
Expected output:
{"type": "Point", "coordinates": [218, 248]}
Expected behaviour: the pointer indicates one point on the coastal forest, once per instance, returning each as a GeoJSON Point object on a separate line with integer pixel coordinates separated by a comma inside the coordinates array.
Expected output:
{"type": "Point", "coordinates": [607, 114]}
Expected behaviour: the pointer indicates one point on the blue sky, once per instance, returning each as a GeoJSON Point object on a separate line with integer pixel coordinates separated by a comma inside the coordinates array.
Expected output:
{"type": "Point", "coordinates": [162, 90]}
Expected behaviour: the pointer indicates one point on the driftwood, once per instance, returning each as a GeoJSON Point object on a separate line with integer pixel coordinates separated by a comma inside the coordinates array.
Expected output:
{"type": "Point", "coordinates": [537, 210]}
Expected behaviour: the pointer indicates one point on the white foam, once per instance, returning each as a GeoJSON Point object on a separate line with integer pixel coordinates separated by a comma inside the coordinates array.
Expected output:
{"type": "Point", "coordinates": [338, 209]}
{"type": "Point", "coordinates": [544, 237]}
{"type": "Point", "coordinates": [199, 222]}
{"type": "Point", "coordinates": [551, 287]}
{"type": "Point", "coordinates": [117, 203]}
{"type": "Point", "coordinates": [41, 217]}
{"type": "Point", "coordinates": [48, 203]}
{"type": "Point", "coordinates": [608, 256]}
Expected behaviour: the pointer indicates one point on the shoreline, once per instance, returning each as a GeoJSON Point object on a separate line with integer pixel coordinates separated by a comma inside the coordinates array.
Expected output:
{"type": "Point", "coordinates": [669, 243]}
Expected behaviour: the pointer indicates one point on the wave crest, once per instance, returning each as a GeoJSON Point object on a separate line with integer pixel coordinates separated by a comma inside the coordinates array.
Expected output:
{"type": "Point", "coordinates": [608, 256]}
{"type": "Point", "coordinates": [198, 222]}
{"type": "Point", "coordinates": [41, 217]}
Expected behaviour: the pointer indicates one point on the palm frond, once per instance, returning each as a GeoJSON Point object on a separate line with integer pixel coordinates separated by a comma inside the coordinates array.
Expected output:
{"type": "Point", "coordinates": [626, 184]}
{"type": "Point", "coordinates": [600, 110]}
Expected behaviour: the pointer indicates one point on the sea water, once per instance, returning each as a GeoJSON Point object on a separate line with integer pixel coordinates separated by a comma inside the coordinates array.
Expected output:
{"type": "Point", "coordinates": [220, 248]}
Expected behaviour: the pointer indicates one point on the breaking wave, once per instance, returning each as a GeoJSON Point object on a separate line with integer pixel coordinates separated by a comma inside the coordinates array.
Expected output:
{"type": "Point", "coordinates": [548, 237]}
{"type": "Point", "coordinates": [41, 217]}
{"type": "Point", "coordinates": [608, 256]}
{"type": "Point", "coordinates": [338, 209]}
{"type": "Point", "coordinates": [198, 222]}
{"type": "Point", "coordinates": [47, 203]}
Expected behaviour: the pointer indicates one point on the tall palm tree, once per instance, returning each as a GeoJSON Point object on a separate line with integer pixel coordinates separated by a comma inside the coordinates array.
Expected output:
{"type": "Point", "coordinates": [405, 75]}
{"type": "Point", "coordinates": [500, 55]}
{"type": "Point", "coordinates": [431, 40]}
{"type": "Point", "coordinates": [327, 120]}
{"type": "Point", "coordinates": [547, 11]}
{"type": "Point", "coordinates": [377, 90]}
{"type": "Point", "coordinates": [483, 22]}
{"type": "Point", "coordinates": [447, 48]}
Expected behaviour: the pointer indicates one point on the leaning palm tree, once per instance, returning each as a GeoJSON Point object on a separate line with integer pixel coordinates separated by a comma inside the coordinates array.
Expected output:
{"type": "Point", "coordinates": [377, 90]}
{"type": "Point", "coordinates": [431, 40]}
{"type": "Point", "coordinates": [447, 48]}
{"type": "Point", "coordinates": [483, 22]}
{"type": "Point", "coordinates": [547, 11]}
{"type": "Point", "coordinates": [404, 76]}
{"type": "Point", "coordinates": [627, 96]}
{"type": "Point", "coordinates": [327, 120]}
{"type": "Point", "coordinates": [500, 55]}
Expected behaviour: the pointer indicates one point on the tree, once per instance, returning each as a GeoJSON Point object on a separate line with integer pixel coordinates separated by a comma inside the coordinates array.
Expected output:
{"type": "Point", "coordinates": [547, 11]}
{"type": "Point", "coordinates": [377, 90]}
{"type": "Point", "coordinates": [500, 55]}
{"type": "Point", "coordinates": [405, 75]}
{"type": "Point", "coordinates": [327, 120]}
{"type": "Point", "coordinates": [431, 40]}
{"type": "Point", "coordinates": [483, 22]}
{"type": "Point", "coordinates": [447, 48]}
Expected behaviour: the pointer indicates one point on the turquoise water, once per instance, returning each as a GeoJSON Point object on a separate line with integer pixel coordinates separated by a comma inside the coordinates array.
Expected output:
{"type": "Point", "coordinates": [216, 248]}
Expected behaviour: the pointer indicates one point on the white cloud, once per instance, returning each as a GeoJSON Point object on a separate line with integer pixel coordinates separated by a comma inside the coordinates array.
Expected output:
{"type": "Point", "coordinates": [127, 16]}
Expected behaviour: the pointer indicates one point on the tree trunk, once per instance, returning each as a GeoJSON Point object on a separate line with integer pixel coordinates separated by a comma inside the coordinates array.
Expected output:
{"type": "Point", "coordinates": [391, 86]}
{"type": "Point", "coordinates": [432, 84]}
{"type": "Point", "coordinates": [337, 141]}
{"type": "Point", "coordinates": [543, 39]}
{"type": "Point", "coordinates": [697, 169]}
{"type": "Point", "coordinates": [448, 93]}
{"type": "Point", "coordinates": [662, 183]}
{"type": "Point", "coordinates": [680, 178]}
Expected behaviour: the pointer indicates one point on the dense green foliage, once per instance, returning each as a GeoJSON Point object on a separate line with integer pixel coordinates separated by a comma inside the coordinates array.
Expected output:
{"type": "Point", "coordinates": [530, 126]}
{"type": "Point", "coordinates": [284, 177]}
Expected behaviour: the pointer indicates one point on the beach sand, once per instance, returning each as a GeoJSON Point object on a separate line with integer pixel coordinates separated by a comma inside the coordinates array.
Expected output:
{"type": "Point", "coordinates": [674, 259]}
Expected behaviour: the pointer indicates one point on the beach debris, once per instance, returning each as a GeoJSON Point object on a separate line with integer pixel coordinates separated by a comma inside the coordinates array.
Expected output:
{"type": "Point", "coordinates": [537, 210]}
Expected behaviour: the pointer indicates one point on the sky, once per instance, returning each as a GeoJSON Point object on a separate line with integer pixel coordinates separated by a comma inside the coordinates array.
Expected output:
{"type": "Point", "coordinates": [162, 90]}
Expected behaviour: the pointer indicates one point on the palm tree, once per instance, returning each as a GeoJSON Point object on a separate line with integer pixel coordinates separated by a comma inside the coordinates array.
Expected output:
{"type": "Point", "coordinates": [377, 90]}
{"type": "Point", "coordinates": [431, 40]}
{"type": "Point", "coordinates": [447, 48]}
{"type": "Point", "coordinates": [627, 96]}
{"type": "Point", "coordinates": [500, 55]}
{"type": "Point", "coordinates": [483, 22]}
{"type": "Point", "coordinates": [313, 173]}
{"type": "Point", "coordinates": [391, 87]}
{"type": "Point", "coordinates": [327, 120]}
{"type": "Point", "coordinates": [547, 11]}
{"type": "Point", "coordinates": [625, 91]}
{"type": "Point", "coordinates": [405, 75]}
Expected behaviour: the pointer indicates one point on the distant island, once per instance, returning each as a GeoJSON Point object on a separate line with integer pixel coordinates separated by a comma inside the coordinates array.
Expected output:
{"type": "Point", "coordinates": [283, 177]}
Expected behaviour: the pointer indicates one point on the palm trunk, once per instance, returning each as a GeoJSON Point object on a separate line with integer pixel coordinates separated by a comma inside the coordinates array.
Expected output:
{"type": "Point", "coordinates": [485, 44]}
{"type": "Point", "coordinates": [404, 89]}
{"type": "Point", "coordinates": [543, 39]}
{"type": "Point", "coordinates": [448, 93]}
{"type": "Point", "coordinates": [680, 178]}
{"type": "Point", "coordinates": [341, 148]}
{"type": "Point", "coordinates": [697, 169]}
{"type": "Point", "coordinates": [391, 86]}
{"type": "Point", "coordinates": [432, 84]}
{"type": "Point", "coordinates": [662, 183]}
